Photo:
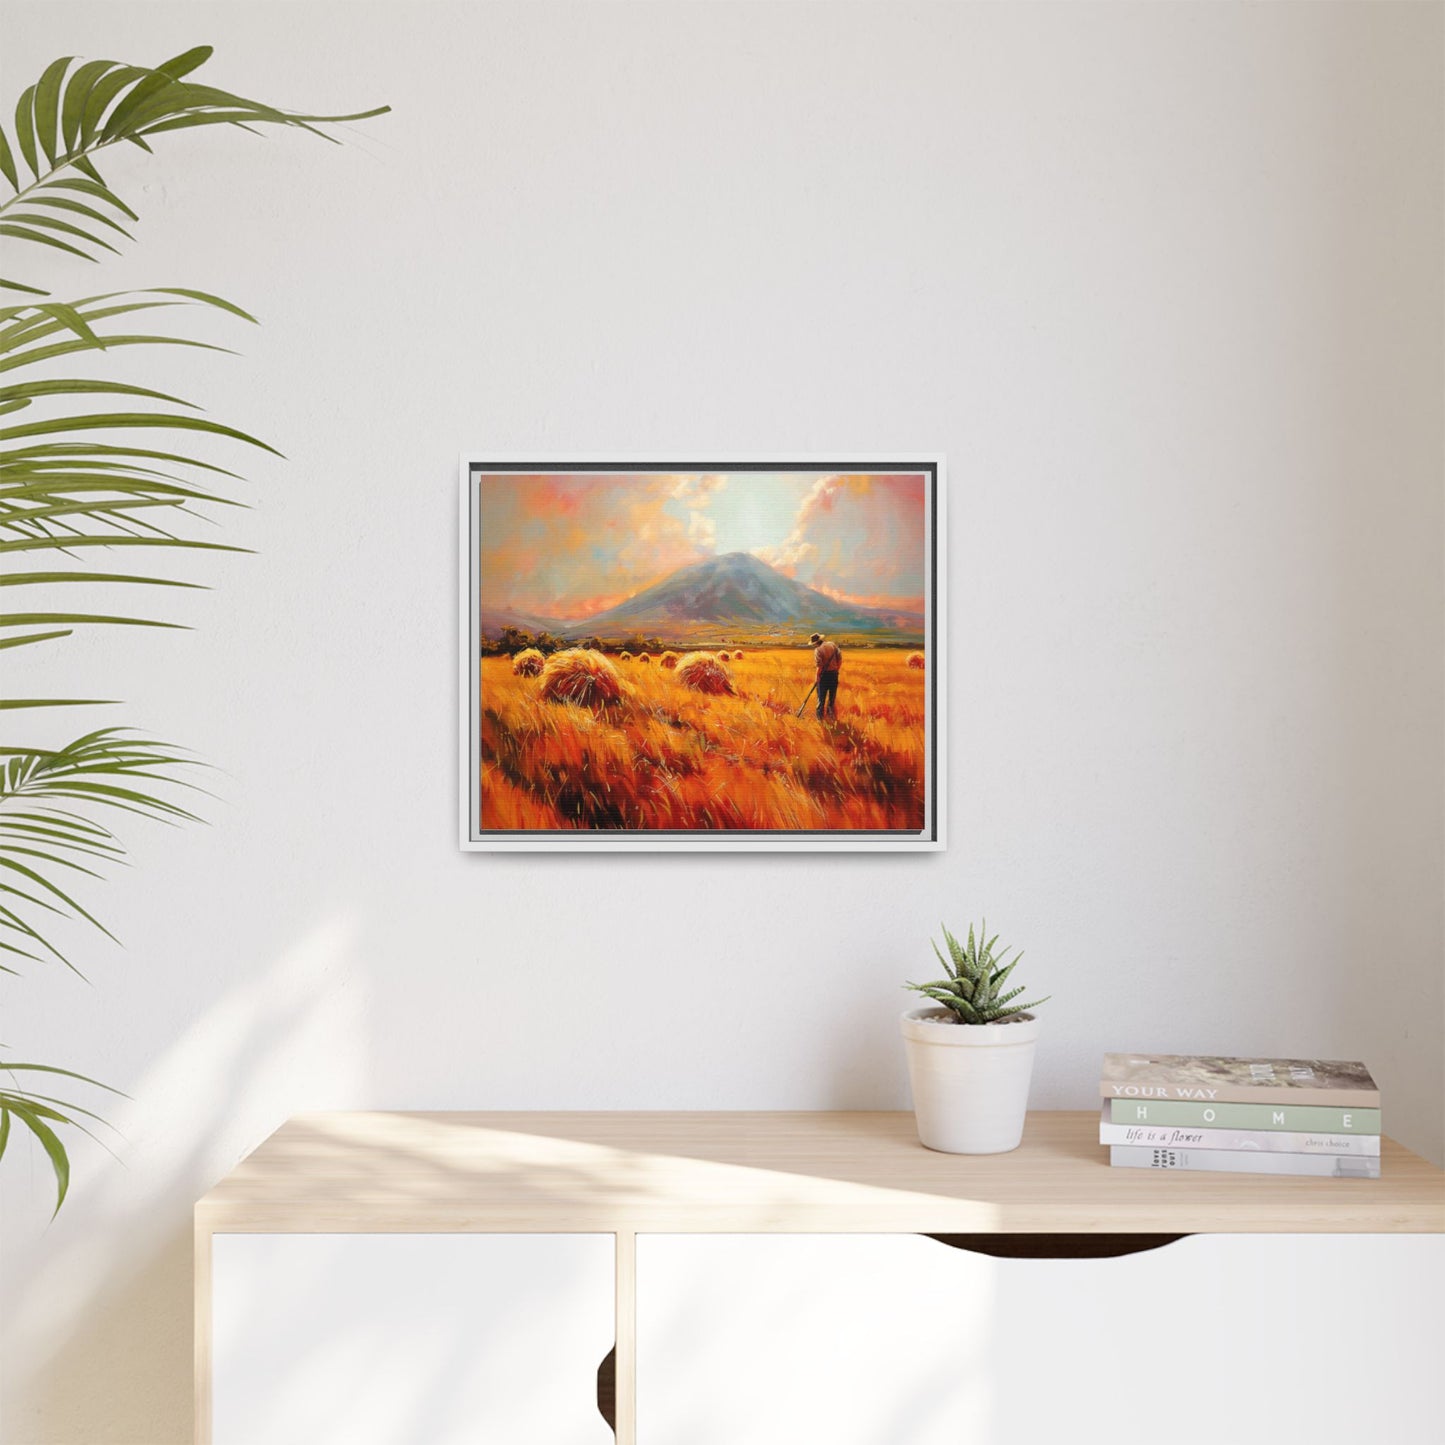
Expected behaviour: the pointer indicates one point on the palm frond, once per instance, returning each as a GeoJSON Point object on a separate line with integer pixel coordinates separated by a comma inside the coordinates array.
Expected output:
{"type": "Point", "coordinates": [63, 490]}
{"type": "Point", "coordinates": [75, 111]}
{"type": "Point", "coordinates": [74, 481]}
{"type": "Point", "coordinates": [111, 769]}
{"type": "Point", "coordinates": [40, 1113]}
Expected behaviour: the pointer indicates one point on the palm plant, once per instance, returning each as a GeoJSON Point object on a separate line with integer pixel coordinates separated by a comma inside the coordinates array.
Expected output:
{"type": "Point", "coordinates": [974, 987]}
{"type": "Point", "coordinates": [75, 486]}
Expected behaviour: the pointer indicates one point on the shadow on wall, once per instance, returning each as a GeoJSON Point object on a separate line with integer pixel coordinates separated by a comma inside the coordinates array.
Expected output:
{"type": "Point", "coordinates": [864, 1062]}
{"type": "Point", "coordinates": [97, 1333]}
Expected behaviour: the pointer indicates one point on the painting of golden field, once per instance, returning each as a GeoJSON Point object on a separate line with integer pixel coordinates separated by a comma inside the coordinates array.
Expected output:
{"type": "Point", "coordinates": [642, 643]}
{"type": "Point", "coordinates": [666, 757]}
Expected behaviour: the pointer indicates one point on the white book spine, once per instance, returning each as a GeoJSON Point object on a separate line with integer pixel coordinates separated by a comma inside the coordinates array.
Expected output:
{"type": "Point", "coordinates": [1234, 1161]}
{"type": "Point", "coordinates": [1259, 1141]}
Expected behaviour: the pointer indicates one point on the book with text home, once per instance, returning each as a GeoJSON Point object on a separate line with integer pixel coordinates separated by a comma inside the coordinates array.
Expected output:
{"type": "Point", "coordinates": [1301, 1118]}
{"type": "Point", "coordinates": [1264, 1141]}
{"type": "Point", "coordinates": [1212, 1078]}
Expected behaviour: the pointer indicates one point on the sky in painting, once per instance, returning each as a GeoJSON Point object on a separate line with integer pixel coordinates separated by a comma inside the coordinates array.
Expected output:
{"type": "Point", "coordinates": [568, 545]}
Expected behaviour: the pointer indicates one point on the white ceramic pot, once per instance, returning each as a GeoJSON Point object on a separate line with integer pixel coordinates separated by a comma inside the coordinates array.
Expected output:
{"type": "Point", "coordinates": [970, 1081]}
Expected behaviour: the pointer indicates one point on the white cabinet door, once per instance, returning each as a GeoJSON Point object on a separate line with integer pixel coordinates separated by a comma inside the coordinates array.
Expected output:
{"type": "Point", "coordinates": [410, 1339]}
{"type": "Point", "coordinates": [807, 1340]}
{"type": "Point", "coordinates": [900, 1340]}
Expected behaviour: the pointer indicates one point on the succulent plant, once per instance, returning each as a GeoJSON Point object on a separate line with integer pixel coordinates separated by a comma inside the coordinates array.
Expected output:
{"type": "Point", "coordinates": [973, 990]}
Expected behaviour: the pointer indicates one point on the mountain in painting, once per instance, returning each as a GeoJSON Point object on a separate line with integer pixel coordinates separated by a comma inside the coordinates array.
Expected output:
{"type": "Point", "coordinates": [741, 593]}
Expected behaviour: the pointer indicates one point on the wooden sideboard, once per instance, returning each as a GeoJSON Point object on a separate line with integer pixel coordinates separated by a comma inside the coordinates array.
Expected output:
{"type": "Point", "coordinates": [616, 1178]}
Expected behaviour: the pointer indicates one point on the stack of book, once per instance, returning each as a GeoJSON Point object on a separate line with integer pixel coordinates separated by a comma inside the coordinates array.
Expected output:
{"type": "Point", "coordinates": [1241, 1116]}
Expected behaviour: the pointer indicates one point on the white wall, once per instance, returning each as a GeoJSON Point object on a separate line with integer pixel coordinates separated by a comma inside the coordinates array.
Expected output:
{"type": "Point", "coordinates": [1162, 281]}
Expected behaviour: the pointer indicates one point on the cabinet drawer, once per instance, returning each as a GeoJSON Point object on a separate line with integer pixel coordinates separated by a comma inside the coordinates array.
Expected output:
{"type": "Point", "coordinates": [865, 1339]}
{"type": "Point", "coordinates": [390, 1339]}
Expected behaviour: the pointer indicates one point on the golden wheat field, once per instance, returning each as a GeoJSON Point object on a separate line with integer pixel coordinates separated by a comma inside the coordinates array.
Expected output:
{"type": "Point", "coordinates": [666, 757]}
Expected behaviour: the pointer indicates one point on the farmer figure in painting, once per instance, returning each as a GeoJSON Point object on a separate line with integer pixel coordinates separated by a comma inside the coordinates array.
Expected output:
{"type": "Point", "coordinates": [829, 658]}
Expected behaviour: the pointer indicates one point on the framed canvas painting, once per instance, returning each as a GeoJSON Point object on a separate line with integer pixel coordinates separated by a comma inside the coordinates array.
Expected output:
{"type": "Point", "coordinates": [669, 655]}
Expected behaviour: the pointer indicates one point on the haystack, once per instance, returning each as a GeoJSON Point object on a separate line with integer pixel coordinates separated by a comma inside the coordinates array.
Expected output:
{"type": "Point", "coordinates": [724, 656]}
{"type": "Point", "coordinates": [702, 672]}
{"type": "Point", "coordinates": [668, 659]}
{"type": "Point", "coordinates": [739, 654]}
{"type": "Point", "coordinates": [644, 657]}
{"type": "Point", "coordinates": [624, 656]}
{"type": "Point", "coordinates": [528, 662]}
{"type": "Point", "coordinates": [582, 677]}
{"type": "Point", "coordinates": [915, 659]}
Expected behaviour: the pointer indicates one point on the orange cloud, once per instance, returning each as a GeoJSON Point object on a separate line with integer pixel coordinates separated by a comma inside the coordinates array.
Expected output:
{"type": "Point", "coordinates": [696, 489]}
{"type": "Point", "coordinates": [580, 607]}
{"type": "Point", "coordinates": [567, 545]}
{"type": "Point", "coordinates": [887, 602]}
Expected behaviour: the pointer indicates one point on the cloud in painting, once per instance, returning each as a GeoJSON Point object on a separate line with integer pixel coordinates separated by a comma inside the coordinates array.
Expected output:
{"type": "Point", "coordinates": [697, 490]}
{"type": "Point", "coordinates": [567, 545]}
{"type": "Point", "coordinates": [570, 545]}
{"type": "Point", "coordinates": [702, 530]}
{"type": "Point", "coordinates": [858, 538]}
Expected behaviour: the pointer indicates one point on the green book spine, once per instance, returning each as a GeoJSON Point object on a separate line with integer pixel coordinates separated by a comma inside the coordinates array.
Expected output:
{"type": "Point", "coordinates": [1306, 1118]}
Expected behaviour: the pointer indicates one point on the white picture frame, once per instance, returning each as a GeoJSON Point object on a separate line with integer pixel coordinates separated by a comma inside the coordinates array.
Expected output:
{"type": "Point", "coordinates": [481, 467]}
